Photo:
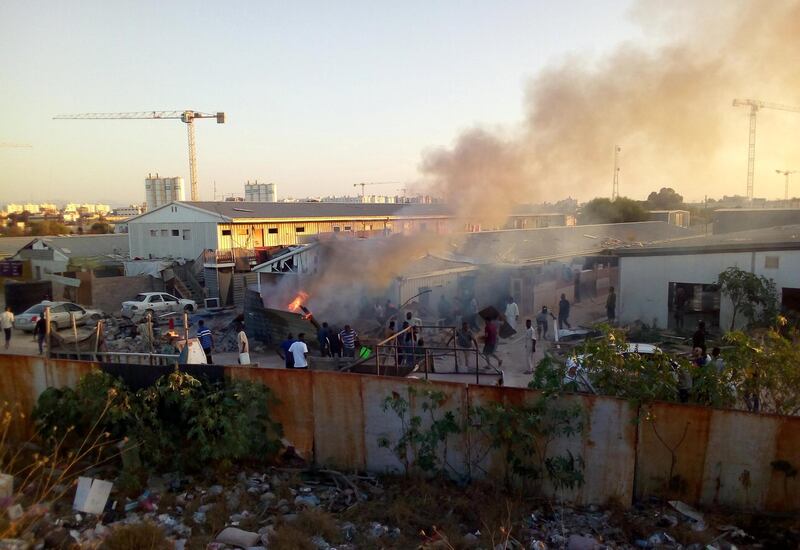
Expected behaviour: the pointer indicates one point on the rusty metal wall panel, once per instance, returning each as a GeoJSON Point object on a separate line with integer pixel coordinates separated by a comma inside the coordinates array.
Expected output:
{"type": "Point", "coordinates": [784, 487]}
{"type": "Point", "coordinates": [295, 411]}
{"type": "Point", "coordinates": [668, 428]}
{"type": "Point", "coordinates": [338, 421]}
{"type": "Point", "coordinates": [740, 449]}
{"type": "Point", "coordinates": [609, 450]}
{"type": "Point", "coordinates": [379, 424]}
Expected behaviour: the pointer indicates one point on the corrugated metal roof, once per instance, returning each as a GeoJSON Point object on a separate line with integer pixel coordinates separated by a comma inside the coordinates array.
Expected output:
{"type": "Point", "coordinates": [74, 246]}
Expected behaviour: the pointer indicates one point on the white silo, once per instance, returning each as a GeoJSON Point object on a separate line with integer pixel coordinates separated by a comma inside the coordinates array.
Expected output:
{"type": "Point", "coordinates": [271, 194]}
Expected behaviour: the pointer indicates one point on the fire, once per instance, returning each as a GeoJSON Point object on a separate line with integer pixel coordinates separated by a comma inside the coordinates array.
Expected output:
{"type": "Point", "coordinates": [295, 304]}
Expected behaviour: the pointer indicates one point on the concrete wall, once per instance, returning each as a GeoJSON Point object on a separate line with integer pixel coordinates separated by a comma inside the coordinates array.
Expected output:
{"type": "Point", "coordinates": [644, 280]}
{"type": "Point", "coordinates": [722, 457]}
{"type": "Point", "coordinates": [108, 293]}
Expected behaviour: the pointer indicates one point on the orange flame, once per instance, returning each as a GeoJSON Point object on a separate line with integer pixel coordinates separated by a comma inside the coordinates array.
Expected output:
{"type": "Point", "coordinates": [295, 304]}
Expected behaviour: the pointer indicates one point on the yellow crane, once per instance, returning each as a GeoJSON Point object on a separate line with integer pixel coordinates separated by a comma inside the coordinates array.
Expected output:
{"type": "Point", "coordinates": [364, 184]}
{"type": "Point", "coordinates": [187, 117]}
{"type": "Point", "coordinates": [755, 105]}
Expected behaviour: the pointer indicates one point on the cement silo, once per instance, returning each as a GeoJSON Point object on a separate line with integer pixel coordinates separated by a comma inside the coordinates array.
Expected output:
{"type": "Point", "coordinates": [159, 191]}
{"type": "Point", "coordinates": [260, 192]}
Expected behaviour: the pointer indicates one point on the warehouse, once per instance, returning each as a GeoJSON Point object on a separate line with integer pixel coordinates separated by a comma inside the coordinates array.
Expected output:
{"type": "Point", "coordinates": [649, 277]}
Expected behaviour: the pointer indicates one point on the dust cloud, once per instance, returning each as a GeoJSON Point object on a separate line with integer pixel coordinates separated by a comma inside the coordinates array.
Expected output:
{"type": "Point", "coordinates": [669, 108]}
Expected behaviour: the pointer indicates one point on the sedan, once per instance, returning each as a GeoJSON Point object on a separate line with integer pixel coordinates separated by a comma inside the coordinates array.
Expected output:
{"type": "Point", "coordinates": [59, 315]}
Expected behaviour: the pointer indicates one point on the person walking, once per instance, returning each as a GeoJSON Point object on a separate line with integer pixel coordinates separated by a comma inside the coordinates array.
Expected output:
{"type": "Point", "coordinates": [543, 322]}
{"type": "Point", "coordinates": [285, 354]}
{"type": "Point", "coordinates": [206, 340]}
{"type": "Point", "coordinates": [39, 333]}
{"type": "Point", "coordinates": [7, 323]}
{"type": "Point", "coordinates": [490, 343]}
{"type": "Point", "coordinates": [244, 345]}
{"type": "Point", "coordinates": [530, 345]}
{"type": "Point", "coordinates": [348, 339]}
{"type": "Point", "coordinates": [611, 305]}
{"type": "Point", "coordinates": [466, 343]}
{"type": "Point", "coordinates": [512, 312]}
{"type": "Point", "coordinates": [299, 352]}
{"type": "Point", "coordinates": [563, 312]}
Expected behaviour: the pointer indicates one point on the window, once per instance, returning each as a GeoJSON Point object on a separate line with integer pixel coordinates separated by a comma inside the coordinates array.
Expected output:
{"type": "Point", "coordinates": [176, 233]}
{"type": "Point", "coordinates": [154, 232]}
{"type": "Point", "coordinates": [336, 228]}
{"type": "Point", "coordinates": [272, 230]}
{"type": "Point", "coordinates": [164, 233]}
{"type": "Point", "coordinates": [155, 299]}
{"type": "Point", "coordinates": [169, 298]}
{"type": "Point", "coordinates": [771, 262]}
{"type": "Point", "coordinates": [187, 234]}
{"type": "Point", "coordinates": [348, 228]}
{"type": "Point", "coordinates": [73, 307]}
{"type": "Point", "coordinates": [226, 232]}
{"type": "Point", "coordinates": [299, 229]}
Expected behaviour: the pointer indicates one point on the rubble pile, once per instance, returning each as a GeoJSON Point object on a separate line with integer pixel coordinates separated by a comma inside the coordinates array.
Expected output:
{"type": "Point", "coordinates": [332, 510]}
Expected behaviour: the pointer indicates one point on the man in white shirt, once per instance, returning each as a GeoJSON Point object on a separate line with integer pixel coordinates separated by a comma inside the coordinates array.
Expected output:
{"type": "Point", "coordinates": [299, 351]}
{"type": "Point", "coordinates": [512, 313]}
{"type": "Point", "coordinates": [530, 345]}
{"type": "Point", "coordinates": [7, 323]}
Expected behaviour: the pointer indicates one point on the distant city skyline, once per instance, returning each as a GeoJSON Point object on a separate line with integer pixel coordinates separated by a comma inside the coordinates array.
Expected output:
{"type": "Point", "coordinates": [322, 96]}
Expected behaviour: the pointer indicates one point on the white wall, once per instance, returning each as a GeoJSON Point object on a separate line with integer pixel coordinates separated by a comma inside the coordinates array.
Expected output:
{"type": "Point", "coordinates": [202, 228]}
{"type": "Point", "coordinates": [644, 280]}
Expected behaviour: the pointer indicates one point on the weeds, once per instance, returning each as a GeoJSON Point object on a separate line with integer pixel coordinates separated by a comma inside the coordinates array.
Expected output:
{"type": "Point", "coordinates": [137, 536]}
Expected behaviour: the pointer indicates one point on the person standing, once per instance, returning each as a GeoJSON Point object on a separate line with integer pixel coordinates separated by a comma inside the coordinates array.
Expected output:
{"type": "Point", "coordinates": [512, 312]}
{"type": "Point", "coordinates": [563, 312]}
{"type": "Point", "coordinates": [286, 355]}
{"type": "Point", "coordinates": [39, 333]}
{"type": "Point", "coordinates": [7, 323]}
{"type": "Point", "coordinates": [244, 346]}
{"type": "Point", "coordinates": [299, 352]}
{"type": "Point", "coordinates": [680, 307]}
{"type": "Point", "coordinates": [324, 340]}
{"type": "Point", "coordinates": [530, 345]}
{"type": "Point", "coordinates": [490, 343]}
{"type": "Point", "coordinates": [717, 361]}
{"type": "Point", "coordinates": [466, 343]}
{"type": "Point", "coordinates": [206, 340]}
{"type": "Point", "coordinates": [699, 336]}
{"type": "Point", "coordinates": [348, 339]}
{"type": "Point", "coordinates": [611, 305]}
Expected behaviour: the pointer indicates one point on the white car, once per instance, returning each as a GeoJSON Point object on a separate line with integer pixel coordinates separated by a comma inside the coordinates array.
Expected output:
{"type": "Point", "coordinates": [59, 315]}
{"type": "Point", "coordinates": [157, 303]}
{"type": "Point", "coordinates": [576, 373]}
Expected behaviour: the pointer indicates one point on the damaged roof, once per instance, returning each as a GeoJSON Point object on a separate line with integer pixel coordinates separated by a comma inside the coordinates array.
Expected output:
{"type": "Point", "coordinates": [786, 237]}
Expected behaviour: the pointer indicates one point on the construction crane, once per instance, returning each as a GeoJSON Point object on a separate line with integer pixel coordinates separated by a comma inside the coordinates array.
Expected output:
{"type": "Point", "coordinates": [363, 185]}
{"type": "Point", "coordinates": [615, 183]}
{"type": "Point", "coordinates": [755, 105]}
{"type": "Point", "coordinates": [187, 117]}
{"type": "Point", "coordinates": [786, 174]}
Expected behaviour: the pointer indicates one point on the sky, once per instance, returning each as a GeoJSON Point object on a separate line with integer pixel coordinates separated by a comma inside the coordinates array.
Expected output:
{"type": "Point", "coordinates": [319, 96]}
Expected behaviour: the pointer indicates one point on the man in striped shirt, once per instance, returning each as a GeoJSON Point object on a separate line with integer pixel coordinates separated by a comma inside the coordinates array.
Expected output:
{"type": "Point", "coordinates": [348, 338]}
{"type": "Point", "coordinates": [206, 340]}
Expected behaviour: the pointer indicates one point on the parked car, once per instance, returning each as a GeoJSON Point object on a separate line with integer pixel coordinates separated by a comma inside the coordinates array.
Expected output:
{"type": "Point", "coordinates": [59, 315]}
{"type": "Point", "coordinates": [576, 373]}
{"type": "Point", "coordinates": [157, 303]}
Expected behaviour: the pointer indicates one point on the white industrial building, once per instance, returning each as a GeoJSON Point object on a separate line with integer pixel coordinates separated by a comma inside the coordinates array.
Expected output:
{"type": "Point", "coordinates": [260, 192]}
{"type": "Point", "coordinates": [650, 276]}
{"type": "Point", "coordinates": [160, 191]}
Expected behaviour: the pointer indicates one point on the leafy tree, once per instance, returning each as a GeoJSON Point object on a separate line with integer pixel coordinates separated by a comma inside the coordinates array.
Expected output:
{"type": "Point", "coordinates": [100, 228]}
{"type": "Point", "coordinates": [752, 295]}
{"type": "Point", "coordinates": [602, 210]}
{"type": "Point", "coordinates": [48, 227]}
{"type": "Point", "coordinates": [665, 199]}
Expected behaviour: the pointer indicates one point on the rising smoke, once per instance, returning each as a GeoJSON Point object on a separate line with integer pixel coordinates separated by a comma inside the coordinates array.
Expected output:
{"type": "Point", "coordinates": [669, 108]}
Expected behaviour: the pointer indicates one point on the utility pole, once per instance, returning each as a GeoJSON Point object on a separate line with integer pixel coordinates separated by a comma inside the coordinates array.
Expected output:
{"type": "Point", "coordinates": [615, 185]}
{"type": "Point", "coordinates": [786, 174]}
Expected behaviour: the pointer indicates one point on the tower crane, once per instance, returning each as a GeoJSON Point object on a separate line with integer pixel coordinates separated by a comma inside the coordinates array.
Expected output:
{"type": "Point", "coordinates": [364, 184]}
{"type": "Point", "coordinates": [755, 105]}
{"type": "Point", "coordinates": [786, 174]}
{"type": "Point", "coordinates": [188, 117]}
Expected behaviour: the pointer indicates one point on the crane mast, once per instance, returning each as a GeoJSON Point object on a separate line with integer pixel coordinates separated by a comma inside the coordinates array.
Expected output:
{"type": "Point", "coordinates": [755, 105]}
{"type": "Point", "coordinates": [187, 116]}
